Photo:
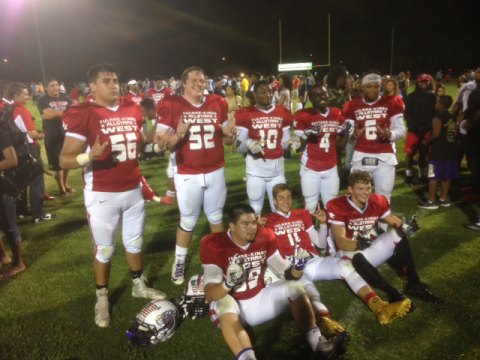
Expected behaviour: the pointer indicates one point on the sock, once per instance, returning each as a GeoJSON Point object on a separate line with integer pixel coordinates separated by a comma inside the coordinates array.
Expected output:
{"type": "Point", "coordinates": [170, 193]}
{"type": "Point", "coordinates": [403, 257]}
{"type": "Point", "coordinates": [180, 254]}
{"type": "Point", "coordinates": [136, 274]}
{"type": "Point", "coordinates": [99, 287]}
{"type": "Point", "coordinates": [246, 354]}
{"type": "Point", "coordinates": [313, 337]}
{"type": "Point", "coordinates": [409, 172]}
{"type": "Point", "coordinates": [373, 277]}
{"type": "Point", "coordinates": [369, 296]}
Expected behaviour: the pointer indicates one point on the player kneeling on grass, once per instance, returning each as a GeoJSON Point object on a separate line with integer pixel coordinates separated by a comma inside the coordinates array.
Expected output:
{"type": "Point", "coordinates": [234, 264]}
{"type": "Point", "coordinates": [104, 139]}
{"type": "Point", "coordinates": [354, 219]}
{"type": "Point", "coordinates": [294, 229]}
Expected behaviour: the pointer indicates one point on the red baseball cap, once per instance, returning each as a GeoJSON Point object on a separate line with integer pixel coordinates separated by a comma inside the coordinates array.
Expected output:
{"type": "Point", "coordinates": [423, 77]}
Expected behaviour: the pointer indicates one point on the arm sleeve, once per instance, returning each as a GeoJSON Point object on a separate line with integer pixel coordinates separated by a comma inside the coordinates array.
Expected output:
{"type": "Point", "coordinates": [285, 137]}
{"type": "Point", "coordinates": [334, 216]}
{"type": "Point", "coordinates": [397, 127]}
{"type": "Point", "coordinates": [299, 125]}
{"type": "Point", "coordinates": [278, 264]}
{"type": "Point", "coordinates": [75, 122]}
{"type": "Point", "coordinates": [212, 274]}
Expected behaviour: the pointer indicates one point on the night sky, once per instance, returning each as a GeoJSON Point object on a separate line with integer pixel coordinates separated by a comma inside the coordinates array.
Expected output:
{"type": "Point", "coordinates": [163, 37]}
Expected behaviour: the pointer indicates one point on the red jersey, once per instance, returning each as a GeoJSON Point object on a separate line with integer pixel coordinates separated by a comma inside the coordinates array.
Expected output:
{"type": "Point", "coordinates": [136, 98]}
{"type": "Point", "coordinates": [117, 169]}
{"type": "Point", "coordinates": [320, 153]}
{"type": "Point", "coordinates": [291, 232]}
{"type": "Point", "coordinates": [4, 103]}
{"type": "Point", "coordinates": [202, 148]}
{"type": "Point", "coordinates": [342, 211]}
{"type": "Point", "coordinates": [158, 95]}
{"type": "Point", "coordinates": [369, 116]}
{"type": "Point", "coordinates": [90, 98]}
{"type": "Point", "coordinates": [24, 120]}
{"type": "Point", "coordinates": [266, 126]}
{"type": "Point", "coordinates": [219, 249]}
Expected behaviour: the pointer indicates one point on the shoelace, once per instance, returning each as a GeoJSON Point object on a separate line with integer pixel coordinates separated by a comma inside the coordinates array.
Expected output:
{"type": "Point", "coordinates": [179, 269]}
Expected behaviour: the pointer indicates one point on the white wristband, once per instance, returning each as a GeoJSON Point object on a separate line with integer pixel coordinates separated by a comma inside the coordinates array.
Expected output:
{"type": "Point", "coordinates": [83, 159]}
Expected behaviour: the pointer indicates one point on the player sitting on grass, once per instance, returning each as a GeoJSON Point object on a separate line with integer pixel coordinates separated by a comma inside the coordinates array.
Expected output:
{"type": "Point", "coordinates": [294, 230]}
{"type": "Point", "coordinates": [234, 264]}
{"type": "Point", "coordinates": [354, 220]}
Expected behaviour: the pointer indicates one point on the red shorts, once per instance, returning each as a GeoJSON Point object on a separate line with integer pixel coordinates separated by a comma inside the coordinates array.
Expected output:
{"type": "Point", "coordinates": [413, 141]}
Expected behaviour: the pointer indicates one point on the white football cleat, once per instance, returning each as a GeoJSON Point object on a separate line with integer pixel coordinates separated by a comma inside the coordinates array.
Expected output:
{"type": "Point", "coordinates": [178, 272]}
{"type": "Point", "coordinates": [141, 290]}
{"type": "Point", "coordinates": [102, 314]}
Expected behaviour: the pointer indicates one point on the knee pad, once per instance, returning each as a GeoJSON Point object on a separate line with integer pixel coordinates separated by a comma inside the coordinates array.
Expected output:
{"type": "Point", "coordinates": [295, 289]}
{"type": "Point", "coordinates": [355, 282]}
{"type": "Point", "coordinates": [311, 203]}
{"type": "Point", "coordinates": [134, 246]}
{"type": "Point", "coordinates": [215, 218]}
{"type": "Point", "coordinates": [187, 223]}
{"type": "Point", "coordinates": [104, 253]}
{"type": "Point", "coordinates": [255, 193]}
{"type": "Point", "coordinates": [345, 268]}
{"type": "Point", "coordinates": [226, 305]}
{"type": "Point", "coordinates": [312, 291]}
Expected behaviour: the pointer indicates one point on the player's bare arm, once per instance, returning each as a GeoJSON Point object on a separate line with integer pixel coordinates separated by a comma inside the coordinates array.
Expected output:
{"type": "Point", "coordinates": [229, 133]}
{"type": "Point", "coordinates": [341, 239]}
{"type": "Point", "coordinates": [36, 135]}
{"type": "Point", "coordinates": [73, 154]}
{"type": "Point", "coordinates": [393, 221]}
{"type": "Point", "coordinates": [215, 292]}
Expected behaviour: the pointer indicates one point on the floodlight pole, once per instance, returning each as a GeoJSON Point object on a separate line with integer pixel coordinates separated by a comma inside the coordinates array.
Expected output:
{"type": "Point", "coordinates": [329, 40]}
{"type": "Point", "coordinates": [280, 40]}
{"type": "Point", "coordinates": [392, 43]}
{"type": "Point", "coordinates": [39, 43]}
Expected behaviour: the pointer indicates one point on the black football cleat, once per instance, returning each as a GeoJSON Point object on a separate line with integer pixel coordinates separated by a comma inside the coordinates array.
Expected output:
{"type": "Point", "coordinates": [328, 349]}
{"type": "Point", "coordinates": [422, 291]}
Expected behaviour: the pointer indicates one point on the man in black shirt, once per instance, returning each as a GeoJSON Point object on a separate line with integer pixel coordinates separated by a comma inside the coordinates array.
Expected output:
{"type": "Point", "coordinates": [419, 113]}
{"type": "Point", "coordinates": [52, 106]}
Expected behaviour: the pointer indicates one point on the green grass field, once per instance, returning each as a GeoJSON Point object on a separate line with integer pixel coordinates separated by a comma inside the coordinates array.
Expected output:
{"type": "Point", "coordinates": [47, 312]}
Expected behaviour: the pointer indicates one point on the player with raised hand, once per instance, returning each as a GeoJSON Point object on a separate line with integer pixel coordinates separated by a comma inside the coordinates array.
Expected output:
{"type": "Point", "coordinates": [378, 122]}
{"type": "Point", "coordinates": [263, 134]}
{"type": "Point", "coordinates": [234, 264]}
{"type": "Point", "coordinates": [317, 129]}
{"type": "Point", "coordinates": [354, 218]}
{"type": "Point", "coordinates": [195, 126]}
{"type": "Point", "coordinates": [294, 229]}
{"type": "Point", "coordinates": [104, 139]}
{"type": "Point", "coordinates": [160, 90]}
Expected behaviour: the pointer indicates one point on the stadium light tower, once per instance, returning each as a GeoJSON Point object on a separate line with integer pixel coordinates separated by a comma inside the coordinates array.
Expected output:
{"type": "Point", "coordinates": [39, 42]}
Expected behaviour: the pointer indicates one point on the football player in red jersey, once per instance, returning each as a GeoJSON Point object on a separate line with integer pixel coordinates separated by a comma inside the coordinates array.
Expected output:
{"type": "Point", "coordinates": [294, 229]}
{"type": "Point", "coordinates": [133, 93]}
{"type": "Point", "coordinates": [378, 122]}
{"type": "Point", "coordinates": [234, 264]}
{"type": "Point", "coordinates": [263, 133]}
{"type": "Point", "coordinates": [104, 139]}
{"type": "Point", "coordinates": [160, 91]}
{"type": "Point", "coordinates": [195, 126]}
{"type": "Point", "coordinates": [316, 129]}
{"type": "Point", "coordinates": [354, 220]}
